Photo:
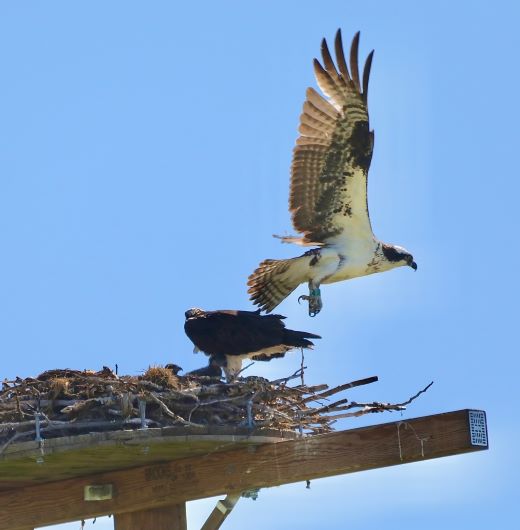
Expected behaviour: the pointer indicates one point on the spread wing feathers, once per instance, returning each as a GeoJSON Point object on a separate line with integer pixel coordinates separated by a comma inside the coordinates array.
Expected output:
{"type": "Point", "coordinates": [243, 332]}
{"type": "Point", "coordinates": [328, 197]}
{"type": "Point", "coordinates": [274, 280]}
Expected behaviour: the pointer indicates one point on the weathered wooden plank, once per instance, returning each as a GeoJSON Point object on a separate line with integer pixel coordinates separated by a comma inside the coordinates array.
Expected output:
{"type": "Point", "coordinates": [163, 518]}
{"type": "Point", "coordinates": [266, 465]}
{"type": "Point", "coordinates": [220, 513]}
{"type": "Point", "coordinates": [26, 464]}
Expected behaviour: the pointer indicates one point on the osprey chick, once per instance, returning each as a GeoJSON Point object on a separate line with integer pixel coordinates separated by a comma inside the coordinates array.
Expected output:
{"type": "Point", "coordinates": [229, 337]}
{"type": "Point", "coordinates": [213, 369]}
{"type": "Point", "coordinates": [328, 196]}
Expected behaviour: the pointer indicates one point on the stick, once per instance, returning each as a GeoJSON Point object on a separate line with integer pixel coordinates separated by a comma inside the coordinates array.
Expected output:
{"type": "Point", "coordinates": [407, 402]}
{"type": "Point", "coordinates": [284, 380]}
{"type": "Point", "coordinates": [302, 368]}
{"type": "Point", "coordinates": [335, 390]}
{"type": "Point", "coordinates": [327, 408]}
{"type": "Point", "coordinates": [378, 407]}
{"type": "Point", "coordinates": [244, 369]}
{"type": "Point", "coordinates": [168, 412]}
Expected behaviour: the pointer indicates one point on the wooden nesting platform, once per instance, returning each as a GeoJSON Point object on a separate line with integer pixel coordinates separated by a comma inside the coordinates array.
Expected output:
{"type": "Point", "coordinates": [152, 495]}
{"type": "Point", "coordinates": [78, 444]}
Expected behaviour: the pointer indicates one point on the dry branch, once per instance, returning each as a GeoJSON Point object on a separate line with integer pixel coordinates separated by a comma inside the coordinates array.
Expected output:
{"type": "Point", "coordinates": [346, 386]}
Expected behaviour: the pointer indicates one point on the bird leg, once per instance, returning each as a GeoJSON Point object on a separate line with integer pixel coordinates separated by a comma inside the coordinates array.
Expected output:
{"type": "Point", "coordinates": [232, 367]}
{"type": "Point", "coordinates": [314, 299]}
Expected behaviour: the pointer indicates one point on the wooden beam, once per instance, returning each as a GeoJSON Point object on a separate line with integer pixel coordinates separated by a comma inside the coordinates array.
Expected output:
{"type": "Point", "coordinates": [163, 518]}
{"type": "Point", "coordinates": [220, 512]}
{"type": "Point", "coordinates": [312, 457]}
{"type": "Point", "coordinates": [69, 457]}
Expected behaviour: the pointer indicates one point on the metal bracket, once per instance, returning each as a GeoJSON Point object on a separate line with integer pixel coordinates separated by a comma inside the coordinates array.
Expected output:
{"type": "Point", "coordinates": [249, 411]}
{"type": "Point", "coordinates": [142, 413]}
{"type": "Point", "coordinates": [223, 508]}
{"type": "Point", "coordinates": [37, 427]}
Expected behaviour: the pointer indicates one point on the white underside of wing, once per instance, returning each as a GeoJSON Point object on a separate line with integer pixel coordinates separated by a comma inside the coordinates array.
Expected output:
{"type": "Point", "coordinates": [234, 362]}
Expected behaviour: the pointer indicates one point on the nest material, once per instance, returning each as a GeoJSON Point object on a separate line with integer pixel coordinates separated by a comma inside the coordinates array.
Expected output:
{"type": "Point", "coordinates": [65, 402]}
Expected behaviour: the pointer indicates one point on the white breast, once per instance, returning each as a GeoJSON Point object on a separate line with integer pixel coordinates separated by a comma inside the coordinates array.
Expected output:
{"type": "Point", "coordinates": [358, 259]}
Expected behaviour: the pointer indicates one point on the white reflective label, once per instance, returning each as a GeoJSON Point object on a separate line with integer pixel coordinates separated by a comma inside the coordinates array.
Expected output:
{"type": "Point", "coordinates": [478, 427]}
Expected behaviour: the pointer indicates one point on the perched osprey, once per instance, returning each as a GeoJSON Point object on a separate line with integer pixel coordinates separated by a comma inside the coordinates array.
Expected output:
{"type": "Point", "coordinates": [328, 196]}
{"type": "Point", "coordinates": [229, 337]}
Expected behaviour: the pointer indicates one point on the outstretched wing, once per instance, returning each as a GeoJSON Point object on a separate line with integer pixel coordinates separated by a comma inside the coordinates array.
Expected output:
{"type": "Point", "coordinates": [328, 197]}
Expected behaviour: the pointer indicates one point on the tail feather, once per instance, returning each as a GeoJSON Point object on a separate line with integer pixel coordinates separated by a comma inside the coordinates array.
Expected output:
{"type": "Point", "coordinates": [299, 339]}
{"type": "Point", "coordinates": [275, 280]}
{"type": "Point", "coordinates": [296, 240]}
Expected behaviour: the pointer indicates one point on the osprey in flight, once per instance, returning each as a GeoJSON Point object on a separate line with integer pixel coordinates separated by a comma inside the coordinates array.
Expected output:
{"type": "Point", "coordinates": [229, 337]}
{"type": "Point", "coordinates": [328, 196]}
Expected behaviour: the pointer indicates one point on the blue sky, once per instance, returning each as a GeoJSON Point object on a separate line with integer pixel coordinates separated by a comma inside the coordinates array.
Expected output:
{"type": "Point", "coordinates": [144, 159]}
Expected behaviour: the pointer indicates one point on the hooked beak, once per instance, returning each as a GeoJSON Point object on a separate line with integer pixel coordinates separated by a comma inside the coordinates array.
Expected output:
{"type": "Point", "coordinates": [413, 265]}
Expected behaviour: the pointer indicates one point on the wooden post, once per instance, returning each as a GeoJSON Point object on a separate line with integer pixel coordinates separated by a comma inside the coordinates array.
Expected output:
{"type": "Point", "coordinates": [220, 512]}
{"type": "Point", "coordinates": [164, 518]}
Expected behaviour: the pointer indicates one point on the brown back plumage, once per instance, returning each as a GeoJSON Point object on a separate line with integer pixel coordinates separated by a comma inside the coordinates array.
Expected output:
{"type": "Point", "coordinates": [230, 332]}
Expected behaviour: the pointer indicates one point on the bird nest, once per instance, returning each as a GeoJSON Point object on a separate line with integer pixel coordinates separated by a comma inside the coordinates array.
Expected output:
{"type": "Point", "coordinates": [65, 402]}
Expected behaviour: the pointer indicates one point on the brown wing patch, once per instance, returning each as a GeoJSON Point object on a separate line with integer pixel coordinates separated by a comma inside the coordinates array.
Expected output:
{"type": "Point", "coordinates": [333, 149]}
